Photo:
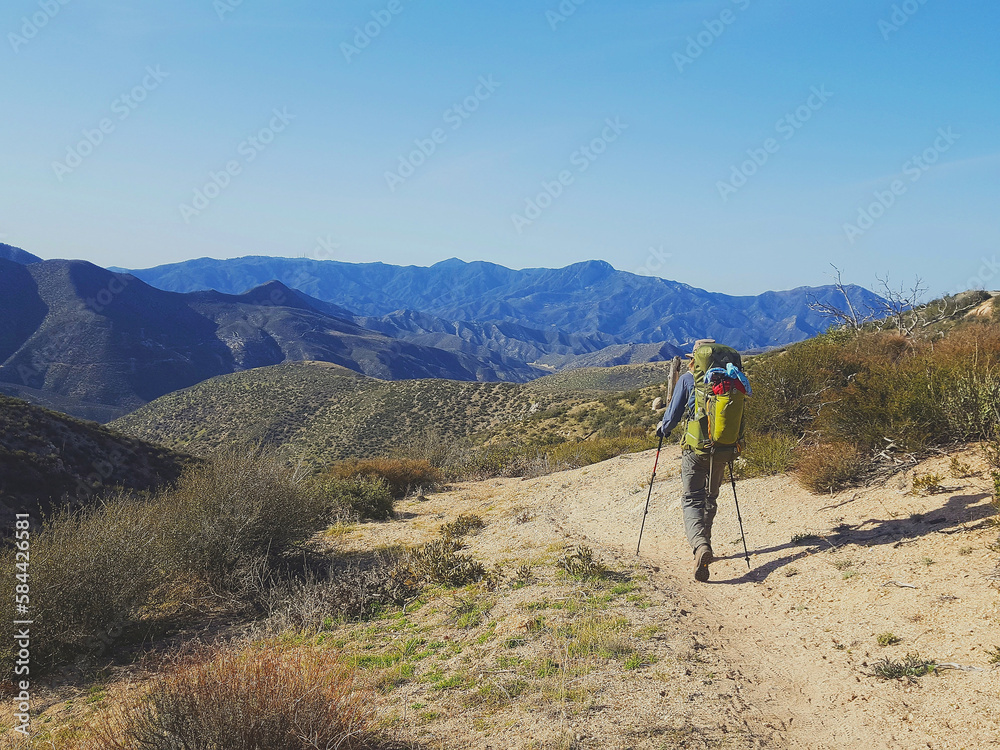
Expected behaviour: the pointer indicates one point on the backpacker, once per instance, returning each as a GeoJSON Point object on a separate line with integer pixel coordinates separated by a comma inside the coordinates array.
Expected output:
{"type": "Point", "coordinates": [717, 423]}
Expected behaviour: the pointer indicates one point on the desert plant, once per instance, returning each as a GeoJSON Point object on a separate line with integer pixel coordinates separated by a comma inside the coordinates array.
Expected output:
{"type": "Point", "coordinates": [400, 474]}
{"type": "Point", "coordinates": [910, 666]}
{"type": "Point", "coordinates": [994, 655]}
{"type": "Point", "coordinates": [363, 497]}
{"type": "Point", "coordinates": [235, 518]}
{"type": "Point", "coordinates": [93, 571]}
{"type": "Point", "coordinates": [580, 562]}
{"type": "Point", "coordinates": [959, 469]}
{"type": "Point", "coordinates": [927, 484]}
{"type": "Point", "coordinates": [256, 697]}
{"type": "Point", "coordinates": [887, 639]}
{"type": "Point", "coordinates": [440, 562]}
{"type": "Point", "coordinates": [314, 603]}
{"type": "Point", "coordinates": [465, 524]}
{"type": "Point", "coordinates": [766, 455]}
{"type": "Point", "coordinates": [831, 466]}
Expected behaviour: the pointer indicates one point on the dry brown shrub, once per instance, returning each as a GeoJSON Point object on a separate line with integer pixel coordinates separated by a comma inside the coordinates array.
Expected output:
{"type": "Point", "coordinates": [402, 474]}
{"type": "Point", "coordinates": [829, 466]}
{"type": "Point", "coordinates": [262, 696]}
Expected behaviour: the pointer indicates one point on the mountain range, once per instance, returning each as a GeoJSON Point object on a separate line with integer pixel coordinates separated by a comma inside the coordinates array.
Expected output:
{"type": "Point", "coordinates": [98, 343]}
{"type": "Point", "coordinates": [590, 300]}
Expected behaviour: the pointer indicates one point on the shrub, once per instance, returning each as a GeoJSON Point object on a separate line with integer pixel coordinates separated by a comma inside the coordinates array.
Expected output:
{"type": "Point", "coordinates": [238, 516]}
{"type": "Point", "coordinates": [400, 474]}
{"type": "Point", "coordinates": [960, 469]}
{"type": "Point", "coordinates": [365, 497]}
{"type": "Point", "coordinates": [92, 572]}
{"type": "Point", "coordinates": [830, 466]}
{"type": "Point", "coordinates": [356, 593]}
{"type": "Point", "coordinates": [887, 639]}
{"type": "Point", "coordinates": [439, 562]}
{"type": "Point", "coordinates": [465, 524]}
{"type": "Point", "coordinates": [766, 455]}
{"type": "Point", "coordinates": [257, 697]}
{"type": "Point", "coordinates": [927, 484]}
{"type": "Point", "coordinates": [579, 562]}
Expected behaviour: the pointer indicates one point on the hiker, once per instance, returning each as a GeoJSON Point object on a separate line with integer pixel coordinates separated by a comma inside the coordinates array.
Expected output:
{"type": "Point", "coordinates": [703, 462]}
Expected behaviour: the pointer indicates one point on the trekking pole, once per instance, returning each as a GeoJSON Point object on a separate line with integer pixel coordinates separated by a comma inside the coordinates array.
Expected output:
{"type": "Point", "coordinates": [646, 512]}
{"type": "Point", "coordinates": [732, 478]}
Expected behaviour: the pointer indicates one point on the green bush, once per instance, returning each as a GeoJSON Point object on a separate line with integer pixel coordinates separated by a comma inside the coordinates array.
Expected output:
{"type": "Point", "coordinates": [365, 497]}
{"type": "Point", "coordinates": [766, 455]}
{"type": "Point", "coordinates": [238, 516]}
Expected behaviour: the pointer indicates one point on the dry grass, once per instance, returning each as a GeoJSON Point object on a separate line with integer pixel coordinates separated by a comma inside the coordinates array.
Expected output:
{"type": "Point", "coordinates": [830, 466]}
{"type": "Point", "coordinates": [402, 475]}
{"type": "Point", "coordinates": [257, 697]}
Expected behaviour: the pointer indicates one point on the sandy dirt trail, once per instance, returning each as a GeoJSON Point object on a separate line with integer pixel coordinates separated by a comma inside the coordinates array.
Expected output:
{"type": "Point", "coordinates": [801, 626]}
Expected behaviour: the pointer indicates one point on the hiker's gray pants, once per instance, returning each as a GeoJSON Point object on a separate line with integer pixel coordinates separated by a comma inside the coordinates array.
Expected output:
{"type": "Point", "coordinates": [700, 495]}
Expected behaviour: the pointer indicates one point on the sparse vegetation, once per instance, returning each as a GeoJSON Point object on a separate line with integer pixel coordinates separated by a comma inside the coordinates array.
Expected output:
{"type": "Point", "coordinates": [361, 497]}
{"type": "Point", "coordinates": [887, 639]}
{"type": "Point", "coordinates": [579, 562]}
{"type": "Point", "coordinates": [927, 484]}
{"type": "Point", "coordinates": [910, 666]}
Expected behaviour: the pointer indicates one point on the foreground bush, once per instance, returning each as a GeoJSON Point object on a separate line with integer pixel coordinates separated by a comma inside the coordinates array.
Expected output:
{"type": "Point", "coordinates": [106, 573]}
{"type": "Point", "coordinates": [92, 573]}
{"type": "Point", "coordinates": [253, 699]}
{"type": "Point", "coordinates": [402, 475]}
{"type": "Point", "coordinates": [766, 455]}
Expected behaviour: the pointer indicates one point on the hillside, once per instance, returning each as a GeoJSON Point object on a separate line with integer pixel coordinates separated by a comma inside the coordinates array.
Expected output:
{"type": "Point", "coordinates": [81, 333]}
{"type": "Point", "coordinates": [321, 412]}
{"type": "Point", "coordinates": [782, 657]}
{"type": "Point", "coordinates": [46, 457]}
{"type": "Point", "coordinates": [585, 299]}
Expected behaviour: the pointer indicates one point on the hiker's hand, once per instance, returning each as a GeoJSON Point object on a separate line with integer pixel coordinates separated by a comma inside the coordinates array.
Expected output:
{"type": "Point", "coordinates": [660, 432]}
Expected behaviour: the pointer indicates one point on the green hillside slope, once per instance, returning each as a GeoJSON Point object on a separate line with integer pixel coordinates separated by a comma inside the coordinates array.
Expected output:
{"type": "Point", "coordinates": [319, 412]}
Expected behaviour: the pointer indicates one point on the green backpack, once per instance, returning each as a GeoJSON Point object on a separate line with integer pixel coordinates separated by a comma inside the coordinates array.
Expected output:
{"type": "Point", "coordinates": [717, 424]}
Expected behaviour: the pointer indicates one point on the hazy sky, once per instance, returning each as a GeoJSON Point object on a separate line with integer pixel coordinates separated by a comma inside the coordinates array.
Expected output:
{"type": "Point", "coordinates": [740, 138]}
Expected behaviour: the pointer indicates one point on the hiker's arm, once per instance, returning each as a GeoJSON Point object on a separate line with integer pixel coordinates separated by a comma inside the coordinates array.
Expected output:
{"type": "Point", "coordinates": [678, 405]}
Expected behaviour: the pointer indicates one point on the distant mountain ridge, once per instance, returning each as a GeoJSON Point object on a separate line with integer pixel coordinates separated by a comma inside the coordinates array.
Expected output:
{"type": "Point", "coordinates": [16, 254]}
{"type": "Point", "coordinates": [74, 332]}
{"type": "Point", "coordinates": [586, 300]}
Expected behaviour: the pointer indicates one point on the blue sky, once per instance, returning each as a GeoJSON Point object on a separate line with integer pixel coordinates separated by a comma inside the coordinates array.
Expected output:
{"type": "Point", "coordinates": [303, 134]}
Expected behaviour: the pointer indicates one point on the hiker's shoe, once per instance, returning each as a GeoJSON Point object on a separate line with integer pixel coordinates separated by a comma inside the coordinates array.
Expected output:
{"type": "Point", "coordinates": [702, 559]}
